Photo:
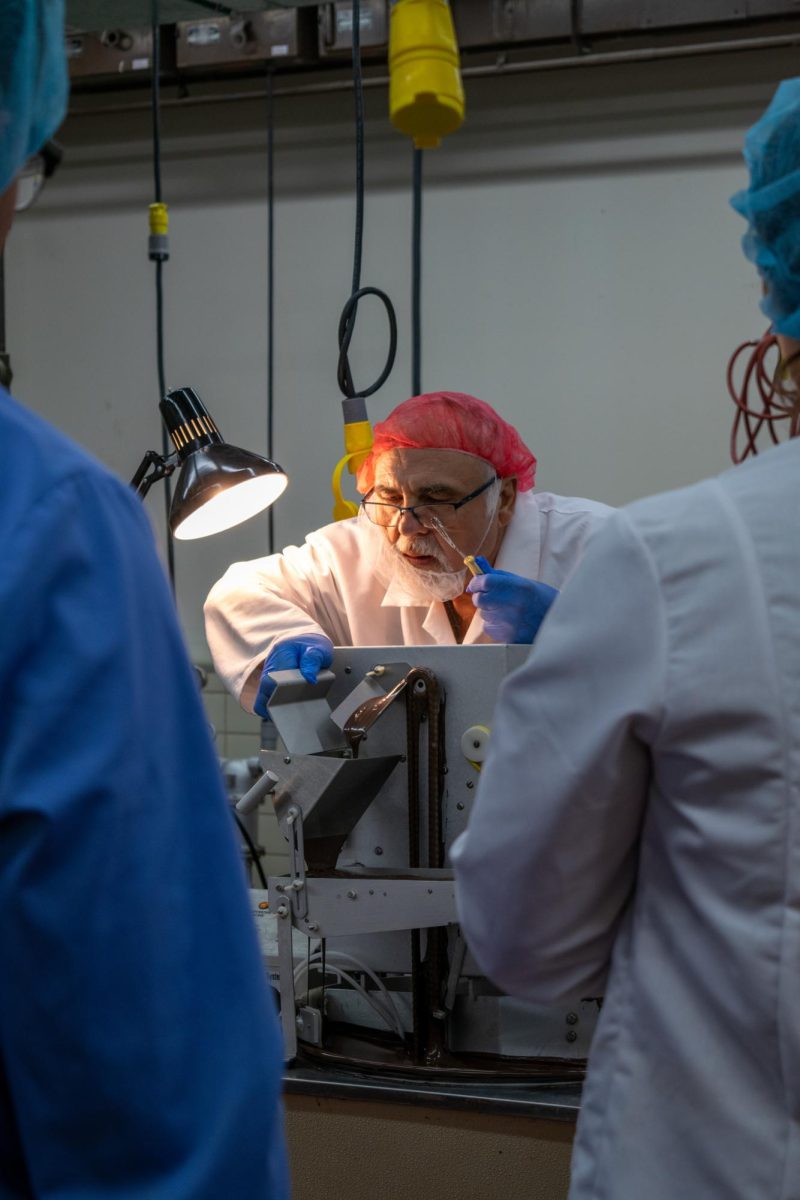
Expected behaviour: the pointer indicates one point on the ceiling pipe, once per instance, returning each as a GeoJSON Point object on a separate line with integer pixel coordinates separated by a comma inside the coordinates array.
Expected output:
{"type": "Point", "coordinates": [492, 70]}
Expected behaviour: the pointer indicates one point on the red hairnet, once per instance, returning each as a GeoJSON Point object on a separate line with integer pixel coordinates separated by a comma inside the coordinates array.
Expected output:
{"type": "Point", "coordinates": [452, 421]}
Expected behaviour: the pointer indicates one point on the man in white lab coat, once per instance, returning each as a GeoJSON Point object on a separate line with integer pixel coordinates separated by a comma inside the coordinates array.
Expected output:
{"type": "Point", "coordinates": [637, 828]}
{"type": "Point", "coordinates": [447, 477]}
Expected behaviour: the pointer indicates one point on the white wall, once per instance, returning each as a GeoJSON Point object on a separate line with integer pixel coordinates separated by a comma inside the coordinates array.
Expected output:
{"type": "Point", "coordinates": [582, 273]}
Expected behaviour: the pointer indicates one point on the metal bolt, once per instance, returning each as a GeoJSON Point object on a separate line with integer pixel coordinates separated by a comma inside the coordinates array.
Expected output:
{"type": "Point", "coordinates": [348, 670]}
{"type": "Point", "coordinates": [572, 1018]}
{"type": "Point", "coordinates": [296, 885]}
{"type": "Point", "coordinates": [460, 806]}
{"type": "Point", "coordinates": [439, 1014]}
{"type": "Point", "coordinates": [572, 1035]}
{"type": "Point", "coordinates": [352, 894]}
{"type": "Point", "coordinates": [283, 910]}
{"type": "Point", "coordinates": [299, 1022]}
{"type": "Point", "coordinates": [312, 926]}
{"type": "Point", "coordinates": [287, 761]}
{"type": "Point", "coordinates": [470, 784]}
{"type": "Point", "coordinates": [379, 849]}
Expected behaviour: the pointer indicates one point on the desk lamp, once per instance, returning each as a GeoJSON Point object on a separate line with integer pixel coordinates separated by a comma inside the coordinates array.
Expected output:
{"type": "Point", "coordinates": [219, 485]}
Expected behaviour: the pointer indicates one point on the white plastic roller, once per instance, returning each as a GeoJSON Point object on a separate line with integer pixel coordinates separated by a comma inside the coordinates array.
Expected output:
{"type": "Point", "coordinates": [475, 743]}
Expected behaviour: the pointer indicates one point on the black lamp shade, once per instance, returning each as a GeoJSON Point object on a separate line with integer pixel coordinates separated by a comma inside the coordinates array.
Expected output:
{"type": "Point", "coordinates": [188, 422]}
{"type": "Point", "coordinates": [219, 485]}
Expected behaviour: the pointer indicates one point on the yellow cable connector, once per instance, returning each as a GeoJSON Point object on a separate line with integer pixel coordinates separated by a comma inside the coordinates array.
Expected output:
{"type": "Point", "coordinates": [426, 95]}
{"type": "Point", "coordinates": [159, 221]}
{"type": "Point", "coordinates": [342, 509]}
{"type": "Point", "coordinates": [357, 445]}
{"type": "Point", "coordinates": [158, 242]}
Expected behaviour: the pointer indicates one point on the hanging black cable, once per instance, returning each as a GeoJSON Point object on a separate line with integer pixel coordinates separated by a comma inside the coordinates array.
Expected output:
{"type": "Point", "coordinates": [347, 320]}
{"type": "Point", "coordinates": [416, 279]}
{"type": "Point", "coordinates": [576, 21]}
{"type": "Point", "coordinates": [358, 96]}
{"type": "Point", "coordinates": [159, 264]}
{"type": "Point", "coordinates": [255, 854]}
{"type": "Point", "coordinates": [270, 293]}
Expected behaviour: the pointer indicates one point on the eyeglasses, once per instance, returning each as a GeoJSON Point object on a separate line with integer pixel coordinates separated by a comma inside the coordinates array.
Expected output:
{"type": "Point", "coordinates": [388, 515]}
{"type": "Point", "coordinates": [33, 176]}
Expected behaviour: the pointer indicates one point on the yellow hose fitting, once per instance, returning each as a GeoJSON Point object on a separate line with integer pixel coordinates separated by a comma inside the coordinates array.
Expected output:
{"type": "Point", "coordinates": [426, 95]}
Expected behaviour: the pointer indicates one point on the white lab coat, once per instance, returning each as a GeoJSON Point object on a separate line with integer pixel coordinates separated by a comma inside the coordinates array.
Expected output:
{"type": "Point", "coordinates": [640, 808]}
{"type": "Point", "coordinates": [328, 586]}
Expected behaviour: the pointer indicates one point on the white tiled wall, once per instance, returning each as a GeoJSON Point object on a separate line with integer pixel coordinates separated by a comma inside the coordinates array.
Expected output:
{"type": "Point", "coordinates": [238, 735]}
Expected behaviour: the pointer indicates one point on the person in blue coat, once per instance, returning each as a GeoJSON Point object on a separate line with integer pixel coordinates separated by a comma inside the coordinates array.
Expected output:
{"type": "Point", "coordinates": [139, 1047]}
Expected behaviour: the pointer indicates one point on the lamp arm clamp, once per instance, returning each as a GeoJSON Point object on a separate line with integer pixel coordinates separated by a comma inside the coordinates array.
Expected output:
{"type": "Point", "coordinates": [158, 467]}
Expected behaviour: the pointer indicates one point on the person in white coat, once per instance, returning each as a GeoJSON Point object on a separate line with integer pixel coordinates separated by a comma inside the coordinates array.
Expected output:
{"type": "Point", "coordinates": [446, 477]}
{"type": "Point", "coordinates": [637, 827]}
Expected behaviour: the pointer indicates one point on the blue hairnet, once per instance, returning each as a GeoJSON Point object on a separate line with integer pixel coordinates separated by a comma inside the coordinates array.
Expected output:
{"type": "Point", "coordinates": [771, 205]}
{"type": "Point", "coordinates": [33, 79]}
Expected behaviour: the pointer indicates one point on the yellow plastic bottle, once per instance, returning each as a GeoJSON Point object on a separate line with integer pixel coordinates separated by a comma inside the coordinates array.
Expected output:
{"type": "Point", "coordinates": [426, 95]}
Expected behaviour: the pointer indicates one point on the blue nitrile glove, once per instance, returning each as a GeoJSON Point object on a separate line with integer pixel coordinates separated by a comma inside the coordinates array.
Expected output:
{"type": "Point", "coordinates": [512, 607]}
{"type": "Point", "coordinates": [308, 654]}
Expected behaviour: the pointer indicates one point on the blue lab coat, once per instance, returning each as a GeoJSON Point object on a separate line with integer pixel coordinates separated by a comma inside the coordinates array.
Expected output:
{"type": "Point", "coordinates": [139, 1048]}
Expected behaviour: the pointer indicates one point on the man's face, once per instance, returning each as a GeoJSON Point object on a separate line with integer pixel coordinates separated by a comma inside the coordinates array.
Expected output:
{"type": "Point", "coordinates": [410, 477]}
{"type": "Point", "coordinates": [7, 202]}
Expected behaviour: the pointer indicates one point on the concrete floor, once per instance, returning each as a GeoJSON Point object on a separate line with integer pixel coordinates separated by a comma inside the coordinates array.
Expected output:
{"type": "Point", "coordinates": [373, 1150]}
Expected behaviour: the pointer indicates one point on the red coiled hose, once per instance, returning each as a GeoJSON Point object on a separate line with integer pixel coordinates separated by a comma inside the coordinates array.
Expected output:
{"type": "Point", "coordinates": [761, 399]}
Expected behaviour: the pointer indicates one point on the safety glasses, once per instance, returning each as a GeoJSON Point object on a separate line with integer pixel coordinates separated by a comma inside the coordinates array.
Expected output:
{"type": "Point", "coordinates": [33, 176]}
{"type": "Point", "coordinates": [388, 515]}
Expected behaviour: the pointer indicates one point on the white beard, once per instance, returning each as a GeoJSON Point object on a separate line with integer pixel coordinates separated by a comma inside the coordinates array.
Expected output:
{"type": "Point", "coordinates": [410, 585]}
{"type": "Point", "coordinates": [424, 586]}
